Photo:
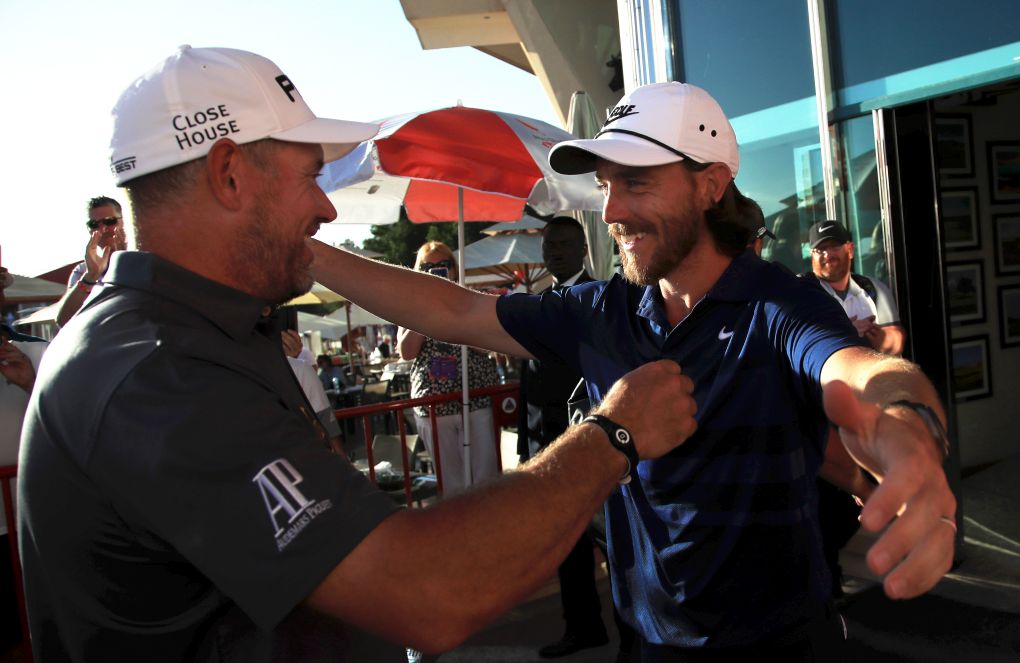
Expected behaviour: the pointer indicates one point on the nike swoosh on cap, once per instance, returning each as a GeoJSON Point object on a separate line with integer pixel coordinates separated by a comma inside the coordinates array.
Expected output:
{"type": "Point", "coordinates": [723, 334]}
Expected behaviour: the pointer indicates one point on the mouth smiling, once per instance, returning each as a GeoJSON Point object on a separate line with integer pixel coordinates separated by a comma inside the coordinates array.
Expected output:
{"type": "Point", "coordinates": [627, 239]}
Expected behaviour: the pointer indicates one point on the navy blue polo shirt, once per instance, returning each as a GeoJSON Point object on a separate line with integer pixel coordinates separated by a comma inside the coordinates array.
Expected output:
{"type": "Point", "coordinates": [715, 544]}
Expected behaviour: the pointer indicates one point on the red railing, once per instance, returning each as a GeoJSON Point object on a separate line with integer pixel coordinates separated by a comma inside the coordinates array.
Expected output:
{"type": "Point", "coordinates": [8, 474]}
{"type": "Point", "coordinates": [505, 401]}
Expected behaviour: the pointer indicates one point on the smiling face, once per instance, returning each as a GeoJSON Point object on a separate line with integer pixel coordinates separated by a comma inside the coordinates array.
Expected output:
{"type": "Point", "coordinates": [831, 261]}
{"type": "Point", "coordinates": [288, 209]}
{"type": "Point", "coordinates": [656, 215]}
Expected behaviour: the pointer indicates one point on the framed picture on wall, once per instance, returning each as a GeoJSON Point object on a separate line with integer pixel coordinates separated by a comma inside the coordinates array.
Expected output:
{"type": "Point", "coordinates": [1004, 171]}
{"type": "Point", "coordinates": [1009, 315]}
{"type": "Point", "coordinates": [972, 373]}
{"type": "Point", "coordinates": [965, 285]}
{"type": "Point", "coordinates": [952, 134]}
{"type": "Point", "coordinates": [1007, 243]}
{"type": "Point", "coordinates": [960, 222]}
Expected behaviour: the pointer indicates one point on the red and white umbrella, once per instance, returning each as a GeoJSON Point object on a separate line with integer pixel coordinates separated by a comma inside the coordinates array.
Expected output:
{"type": "Point", "coordinates": [421, 160]}
{"type": "Point", "coordinates": [455, 164]}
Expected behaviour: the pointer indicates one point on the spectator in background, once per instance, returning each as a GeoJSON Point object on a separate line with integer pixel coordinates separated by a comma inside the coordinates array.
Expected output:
{"type": "Point", "coordinates": [436, 369]}
{"type": "Point", "coordinates": [106, 235]}
{"type": "Point", "coordinates": [330, 375]}
{"type": "Point", "coordinates": [297, 356]}
{"type": "Point", "coordinates": [19, 359]}
{"type": "Point", "coordinates": [867, 301]}
{"type": "Point", "coordinates": [384, 346]}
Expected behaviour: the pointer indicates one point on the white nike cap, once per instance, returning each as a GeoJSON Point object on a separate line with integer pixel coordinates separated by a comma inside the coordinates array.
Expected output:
{"type": "Point", "coordinates": [654, 125]}
{"type": "Point", "coordinates": [181, 107]}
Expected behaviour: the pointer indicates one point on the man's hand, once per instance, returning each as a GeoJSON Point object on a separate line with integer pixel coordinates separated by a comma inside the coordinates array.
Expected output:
{"type": "Point", "coordinates": [913, 502]}
{"type": "Point", "coordinates": [655, 404]}
{"type": "Point", "coordinates": [863, 326]}
{"type": "Point", "coordinates": [292, 345]}
{"type": "Point", "coordinates": [16, 367]}
{"type": "Point", "coordinates": [97, 255]}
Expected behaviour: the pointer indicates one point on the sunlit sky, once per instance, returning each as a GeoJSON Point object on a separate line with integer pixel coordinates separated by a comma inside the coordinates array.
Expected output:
{"type": "Point", "coordinates": [66, 63]}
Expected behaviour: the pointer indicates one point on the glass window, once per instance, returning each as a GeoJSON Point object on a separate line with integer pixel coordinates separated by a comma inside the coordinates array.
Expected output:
{"type": "Point", "coordinates": [863, 210]}
{"type": "Point", "coordinates": [880, 48]}
{"type": "Point", "coordinates": [749, 54]}
{"type": "Point", "coordinates": [755, 58]}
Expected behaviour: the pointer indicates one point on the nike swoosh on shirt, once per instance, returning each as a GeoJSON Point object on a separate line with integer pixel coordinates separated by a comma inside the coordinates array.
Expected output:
{"type": "Point", "coordinates": [723, 334]}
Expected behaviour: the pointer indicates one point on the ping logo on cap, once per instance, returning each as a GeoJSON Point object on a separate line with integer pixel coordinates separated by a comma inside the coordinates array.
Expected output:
{"type": "Point", "coordinates": [620, 112]}
{"type": "Point", "coordinates": [286, 86]}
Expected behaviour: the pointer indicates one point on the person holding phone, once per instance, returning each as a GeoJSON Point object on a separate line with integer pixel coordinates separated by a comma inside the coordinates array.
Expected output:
{"type": "Point", "coordinates": [436, 369]}
{"type": "Point", "coordinates": [105, 226]}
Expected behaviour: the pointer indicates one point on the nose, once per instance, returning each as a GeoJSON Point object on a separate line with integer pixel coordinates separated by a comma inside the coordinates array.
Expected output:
{"type": "Point", "coordinates": [328, 211]}
{"type": "Point", "coordinates": [613, 208]}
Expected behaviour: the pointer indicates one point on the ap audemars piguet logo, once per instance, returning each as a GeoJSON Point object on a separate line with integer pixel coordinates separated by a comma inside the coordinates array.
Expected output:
{"type": "Point", "coordinates": [290, 511]}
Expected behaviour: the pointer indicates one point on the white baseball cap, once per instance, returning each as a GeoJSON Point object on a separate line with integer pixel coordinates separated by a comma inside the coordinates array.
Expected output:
{"type": "Point", "coordinates": [181, 107]}
{"type": "Point", "coordinates": [654, 125]}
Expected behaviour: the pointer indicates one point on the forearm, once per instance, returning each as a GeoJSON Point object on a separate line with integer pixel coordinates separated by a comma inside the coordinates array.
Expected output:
{"type": "Point", "coordinates": [477, 554]}
{"type": "Point", "coordinates": [452, 314]}
{"type": "Point", "coordinates": [70, 303]}
{"type": "Point", "coordinates": [881, 379]}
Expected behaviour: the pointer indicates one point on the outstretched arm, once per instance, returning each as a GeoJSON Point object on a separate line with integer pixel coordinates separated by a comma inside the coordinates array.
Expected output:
{"type": "Point", "coordinates": [453, 314]}
{"type": "Point", "coordinates": [508, 536]}
{"type": "Point", "coordinates": [913, 502]}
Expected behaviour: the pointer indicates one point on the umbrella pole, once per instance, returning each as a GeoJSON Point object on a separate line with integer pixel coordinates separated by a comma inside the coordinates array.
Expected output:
{"type": "Point", "coordinates": [350, 342]}
{"type": "Point", "coordinates": [465, 409]}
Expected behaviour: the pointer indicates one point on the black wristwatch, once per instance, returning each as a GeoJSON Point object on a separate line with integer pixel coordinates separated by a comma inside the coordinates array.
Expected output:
{"type": "Point", "coordinates": [931, 420]}
{"type": "Point", "coordinates": [620, 438]}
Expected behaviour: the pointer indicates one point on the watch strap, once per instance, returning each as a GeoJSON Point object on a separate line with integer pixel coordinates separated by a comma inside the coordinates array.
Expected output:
{"type": "Point", "coordinates": [619, 437]}
{"type": "Point", "coordinates": [931, 420]}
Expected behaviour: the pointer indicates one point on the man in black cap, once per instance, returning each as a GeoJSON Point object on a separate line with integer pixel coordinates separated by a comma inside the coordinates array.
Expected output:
{"type": "Point", "coordinates": [867, 301]}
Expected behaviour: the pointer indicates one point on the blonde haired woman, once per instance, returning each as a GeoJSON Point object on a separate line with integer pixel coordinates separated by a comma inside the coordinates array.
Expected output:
{"type": "Point", "coordinates": [436, 369]}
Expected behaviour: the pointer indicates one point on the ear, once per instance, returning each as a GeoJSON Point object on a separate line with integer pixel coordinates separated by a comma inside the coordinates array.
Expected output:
{"type": "Point", "coordinates": [226, 169]}
{"type": "Point", "coordinates": [716, 178]}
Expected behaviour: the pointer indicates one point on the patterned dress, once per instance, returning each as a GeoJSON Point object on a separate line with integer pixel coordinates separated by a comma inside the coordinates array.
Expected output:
{"type": "Point", "coordinates": [437, 370]}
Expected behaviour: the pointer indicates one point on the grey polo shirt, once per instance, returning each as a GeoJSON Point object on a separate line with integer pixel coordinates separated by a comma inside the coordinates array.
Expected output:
{"type": "Point", "coordinates": [177, 500]}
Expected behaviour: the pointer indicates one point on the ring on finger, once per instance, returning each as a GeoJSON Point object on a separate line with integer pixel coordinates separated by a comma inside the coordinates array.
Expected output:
{"type": "Point", "coordinates": [949, 521]}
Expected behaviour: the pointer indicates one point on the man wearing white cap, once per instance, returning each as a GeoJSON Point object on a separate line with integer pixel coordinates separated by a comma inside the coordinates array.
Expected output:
{"type": "Point", "coordinates": [714, 547]}
{"type": "Point", "coordinates": [177, 499]}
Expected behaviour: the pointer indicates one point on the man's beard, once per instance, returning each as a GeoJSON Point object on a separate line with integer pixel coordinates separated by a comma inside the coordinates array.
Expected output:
{"type": "Point", "coordinates": [834, 273]}
{"type": "Point", "coordinates": [677, 236]}
{"type": "Point", "coordinates": [274, 270]}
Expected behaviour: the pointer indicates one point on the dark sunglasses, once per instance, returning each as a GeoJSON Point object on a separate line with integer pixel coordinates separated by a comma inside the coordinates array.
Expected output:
{"type": "Point", "coordinates": [428, 266]}
{"type": "Point", "coordinates": [108, 221]}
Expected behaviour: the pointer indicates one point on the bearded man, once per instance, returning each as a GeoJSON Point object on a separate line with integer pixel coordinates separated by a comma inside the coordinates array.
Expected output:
{"type": "Point", "coordinates": [177, 501]}
{"type": "Point", "coordinates": [714, 549]}
{"type": "Point", "coordinates": [867, 301]}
